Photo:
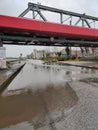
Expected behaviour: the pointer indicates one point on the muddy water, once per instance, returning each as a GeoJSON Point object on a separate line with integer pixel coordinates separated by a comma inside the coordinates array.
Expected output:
{"type": "Point", "coordinates": [40, 96]}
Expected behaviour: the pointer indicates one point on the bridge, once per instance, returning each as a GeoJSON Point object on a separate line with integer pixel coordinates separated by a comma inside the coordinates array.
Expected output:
{"type": "Point", "coordinates": [23, 31]}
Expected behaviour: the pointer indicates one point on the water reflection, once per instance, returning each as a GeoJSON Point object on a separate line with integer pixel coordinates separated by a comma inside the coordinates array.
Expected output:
{"type": "Point", "coordinates": [37, 76]}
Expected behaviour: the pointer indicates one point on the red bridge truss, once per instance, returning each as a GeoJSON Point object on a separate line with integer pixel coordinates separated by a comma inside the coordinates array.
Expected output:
{"type": "Point", "coordinates": [23, 31]}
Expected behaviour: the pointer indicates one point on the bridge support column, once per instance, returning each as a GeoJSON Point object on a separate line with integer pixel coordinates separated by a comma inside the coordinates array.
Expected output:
{"type": "Point", "coordinates": [2, 56]}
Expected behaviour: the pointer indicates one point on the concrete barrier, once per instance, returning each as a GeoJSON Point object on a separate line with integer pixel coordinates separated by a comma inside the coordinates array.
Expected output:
{"type": "Point", "coordinates": [5, 84]}
{"type": "Point", "coordinates": [2, 57]}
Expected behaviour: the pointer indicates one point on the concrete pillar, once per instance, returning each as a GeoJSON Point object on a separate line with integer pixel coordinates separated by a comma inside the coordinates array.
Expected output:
{"type": "Point", "coordinates": [2, 56]}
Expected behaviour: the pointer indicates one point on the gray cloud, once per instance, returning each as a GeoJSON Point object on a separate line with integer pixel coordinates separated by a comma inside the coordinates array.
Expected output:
{"type": "Point", "coordinates": [15, 7]}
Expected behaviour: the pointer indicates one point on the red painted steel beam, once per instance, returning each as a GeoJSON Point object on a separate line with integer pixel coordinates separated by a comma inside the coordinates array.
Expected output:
{"type": "Point", "coordinates": [13, 24]}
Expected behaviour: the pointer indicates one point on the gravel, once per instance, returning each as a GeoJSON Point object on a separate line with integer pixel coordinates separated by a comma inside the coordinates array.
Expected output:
{"type": "Point", "coordinates": [85, 114]}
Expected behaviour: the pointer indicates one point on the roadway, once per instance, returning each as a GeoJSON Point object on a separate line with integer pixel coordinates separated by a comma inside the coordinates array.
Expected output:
{"type": "Point", "coordinates": [51, 97]}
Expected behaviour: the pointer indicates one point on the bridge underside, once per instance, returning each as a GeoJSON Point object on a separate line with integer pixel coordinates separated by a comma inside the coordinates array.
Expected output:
{"type": "Point", "coordinates": [46, 41]}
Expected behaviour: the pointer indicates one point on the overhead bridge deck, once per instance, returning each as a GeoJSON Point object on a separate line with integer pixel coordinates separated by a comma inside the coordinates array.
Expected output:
{"type": "Point", "coordinates": [23, 31]}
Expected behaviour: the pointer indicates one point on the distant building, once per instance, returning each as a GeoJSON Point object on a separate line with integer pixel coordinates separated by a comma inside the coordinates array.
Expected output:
{"type": "Point", "coordinates": [76, 53]}
{"type": "Point", "coordinates": [89, 52]}
{"type": "Point", "coordinates": [39, 54]}
{"type": "Point", "coordinates": [72, 53]}
{"type": "Point", "coordinates": [31, 56]}
{"type": "Point", "coordinates": [96, 52]}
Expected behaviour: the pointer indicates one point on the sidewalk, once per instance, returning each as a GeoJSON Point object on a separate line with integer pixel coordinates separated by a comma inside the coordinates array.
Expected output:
{"type": "Point", "coordinates": [87, 64]}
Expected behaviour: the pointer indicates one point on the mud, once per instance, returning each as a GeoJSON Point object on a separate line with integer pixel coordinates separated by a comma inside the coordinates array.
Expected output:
{"type": "Point", "coordinates": [29, 105]}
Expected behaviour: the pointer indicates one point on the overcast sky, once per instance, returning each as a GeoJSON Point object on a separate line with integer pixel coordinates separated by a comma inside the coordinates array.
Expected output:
{"type": "Point", "coordinates": [15, 7]}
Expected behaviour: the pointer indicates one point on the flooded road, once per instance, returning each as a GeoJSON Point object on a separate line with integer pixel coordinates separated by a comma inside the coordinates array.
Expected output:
{"type": "Point", "coordinates": [40, 96]}
{"type": "Point", "coordinates": [35, 75]}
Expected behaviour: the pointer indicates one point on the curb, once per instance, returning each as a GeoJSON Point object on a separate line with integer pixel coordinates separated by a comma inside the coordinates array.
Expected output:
{"type": "Point", "coordinates": [9, 80]}
{"type": "Point", "coordinates": [67, 64]}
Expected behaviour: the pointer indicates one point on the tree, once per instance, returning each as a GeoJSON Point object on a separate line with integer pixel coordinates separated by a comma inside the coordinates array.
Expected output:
{"type": "Point", "coordinates": [67, 50]}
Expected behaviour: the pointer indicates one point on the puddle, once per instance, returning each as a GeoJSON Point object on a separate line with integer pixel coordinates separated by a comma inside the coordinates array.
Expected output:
{"type": "Point", "coordinates": [37, 106]}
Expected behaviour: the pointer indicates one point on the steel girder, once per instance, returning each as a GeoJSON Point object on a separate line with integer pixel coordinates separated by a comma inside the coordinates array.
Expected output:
{"type": "Point", "coordinates": [37, 10]}
{"type": "Point", "coordinates": [83, 18]}
{"type": "Point", "coordinates": [39, 41]}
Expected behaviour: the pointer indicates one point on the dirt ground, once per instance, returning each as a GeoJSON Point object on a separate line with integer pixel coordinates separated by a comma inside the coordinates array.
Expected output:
{"type": "Point", "coordinates": [28, 105]}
